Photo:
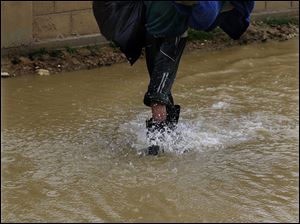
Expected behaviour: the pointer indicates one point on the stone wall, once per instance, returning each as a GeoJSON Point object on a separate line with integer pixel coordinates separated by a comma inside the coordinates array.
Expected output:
{"type": "Point", "coordinates": [31, 22]}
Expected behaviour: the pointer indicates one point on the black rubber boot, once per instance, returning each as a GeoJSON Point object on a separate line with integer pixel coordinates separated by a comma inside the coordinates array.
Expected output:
{"type": "Point", "coordinates": [173, 113]}
{"type": "Point", "coordinates": [161, 127]}
{"type": "Point", "coordinates": [155, 132]}
{"type": "Point", "coordinates": [153, 150]}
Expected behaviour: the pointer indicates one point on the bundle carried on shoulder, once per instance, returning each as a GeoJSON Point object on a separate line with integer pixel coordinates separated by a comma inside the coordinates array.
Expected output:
{"type": "Point", "coordinates": [233, 17]}
{"type": "Point", "coordinates": [122, 22]}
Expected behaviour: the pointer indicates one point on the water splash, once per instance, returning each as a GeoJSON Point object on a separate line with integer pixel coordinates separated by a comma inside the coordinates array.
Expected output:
{"type": "Point", "coordinates": [220, 105]}
{"type": "Point", "coordinates": [195, 135]}
{"type": "Point", "coordinates": [215, 131]}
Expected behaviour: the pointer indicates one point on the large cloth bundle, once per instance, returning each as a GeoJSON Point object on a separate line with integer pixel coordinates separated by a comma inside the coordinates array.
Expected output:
{"type": "Point", "coordinates": [122, 22]}
{"type": "Point", "coordinates": [207, 15]}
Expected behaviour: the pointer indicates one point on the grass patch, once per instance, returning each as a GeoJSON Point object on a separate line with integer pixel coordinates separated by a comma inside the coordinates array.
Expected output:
{"type": "Point", "coordinates": [93, 48]}
{"type": "Point", "coordinates": [43, 51]}
{"type": "Point", "coordinates": [15, 60]}
{"type": "Point", "coordinates": [56, 53]}
{"type": "Point", "coordinates": [113, 45]}
{"type": "Point", "coordinates": [71, 50]}
{"type": "Point", "coordinates": [202, 35]}
{"type": "Point", "coordinates": [37, 54]}
{"type": "Point", "coordinates": [272, 21]}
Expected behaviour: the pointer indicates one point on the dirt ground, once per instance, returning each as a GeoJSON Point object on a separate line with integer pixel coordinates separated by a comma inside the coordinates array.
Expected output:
{"type": "Point", "coordinates": [45, 62]}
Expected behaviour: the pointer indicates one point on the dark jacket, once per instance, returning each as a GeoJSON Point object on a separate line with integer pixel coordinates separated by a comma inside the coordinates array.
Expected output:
{"type": "Point", "coordinates": [163, 20]}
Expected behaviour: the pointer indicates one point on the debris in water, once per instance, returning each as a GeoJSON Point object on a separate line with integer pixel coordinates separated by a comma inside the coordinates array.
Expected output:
{"type": "Point", "coordinates": [43, 72]}
{"type": "Point", "coordinates": [5, 74]}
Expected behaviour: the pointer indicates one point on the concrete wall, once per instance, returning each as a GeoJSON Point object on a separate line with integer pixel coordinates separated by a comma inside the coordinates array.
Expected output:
{"type": "Point", "coordinates": [59, 19]}
{"type": "Point", "coordinates": [16, 23]}
{"type": "Point", "coordinates": [32, 22]}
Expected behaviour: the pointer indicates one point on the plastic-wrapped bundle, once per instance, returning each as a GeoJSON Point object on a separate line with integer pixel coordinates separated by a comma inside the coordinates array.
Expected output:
{"type": "Point", "coordinates": [123, 23]}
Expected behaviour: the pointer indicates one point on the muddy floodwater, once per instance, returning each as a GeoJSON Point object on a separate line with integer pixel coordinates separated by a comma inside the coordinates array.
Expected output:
{"type": "Point", "coordinates": [71, 143]}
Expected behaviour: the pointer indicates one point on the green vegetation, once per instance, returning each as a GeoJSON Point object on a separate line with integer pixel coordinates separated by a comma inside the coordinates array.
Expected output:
{"type": "Point", "coordinates": [37, 53]}
{"type": "Point", "coordinates": [113, 45]}
{"type": "Point", "coordinates": [272, 21]}
{"type": "Point", "coordinates": [56, 53]}
{"type": "Point", "coordinates": [202, 35]}
{"type": "Point", "coordinates": [15, 60]}
{"type": "Point", "coordinates": [71, 50]}
{"type": "Point", "coordinates": [93, 47]}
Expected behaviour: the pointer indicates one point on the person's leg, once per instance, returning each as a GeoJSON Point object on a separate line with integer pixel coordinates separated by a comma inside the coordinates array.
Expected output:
{"type": "Point", "coordinates": [162, 56]}
{"type": "Point", "coordinates": [159, 112]}
{"type": "Point", "coordinates": [152, 50]}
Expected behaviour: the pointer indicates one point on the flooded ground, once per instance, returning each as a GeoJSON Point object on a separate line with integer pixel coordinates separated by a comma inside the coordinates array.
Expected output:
{"type": "Point", "coordinates": [71, 143]}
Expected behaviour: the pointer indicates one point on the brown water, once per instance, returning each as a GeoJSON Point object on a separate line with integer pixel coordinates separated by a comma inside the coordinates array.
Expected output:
{"type": "Point", "coordinates": [71, 143]}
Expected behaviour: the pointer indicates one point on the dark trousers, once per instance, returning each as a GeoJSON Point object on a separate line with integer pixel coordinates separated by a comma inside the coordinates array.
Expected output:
{"type": "Point", "coordinates": [162, 57]}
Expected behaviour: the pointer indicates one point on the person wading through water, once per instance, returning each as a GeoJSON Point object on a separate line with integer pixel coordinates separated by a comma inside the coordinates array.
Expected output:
{"type": "Point", "coordinates": [165, 40]}
{"type": "Point", "coordinates": [166, 35]}
{"type": "Point", "coordinates": [165, 24]}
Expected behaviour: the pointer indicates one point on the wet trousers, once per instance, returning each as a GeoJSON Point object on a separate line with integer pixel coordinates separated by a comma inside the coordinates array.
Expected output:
{"type": "Point", "coordinates": [162, 57]}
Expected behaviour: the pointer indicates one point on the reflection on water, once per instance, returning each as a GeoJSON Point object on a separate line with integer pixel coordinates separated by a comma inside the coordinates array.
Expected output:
{"type": "Point", "coordinates": [71, 143]}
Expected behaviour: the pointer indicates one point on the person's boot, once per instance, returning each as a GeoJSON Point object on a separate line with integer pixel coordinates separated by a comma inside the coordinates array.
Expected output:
{"type": "Point", "coordinates": [159, 128]}
{"type": "Point", "coordinates": [173, 113]}
{"type": "Point", "coordinates": [155, 131]}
